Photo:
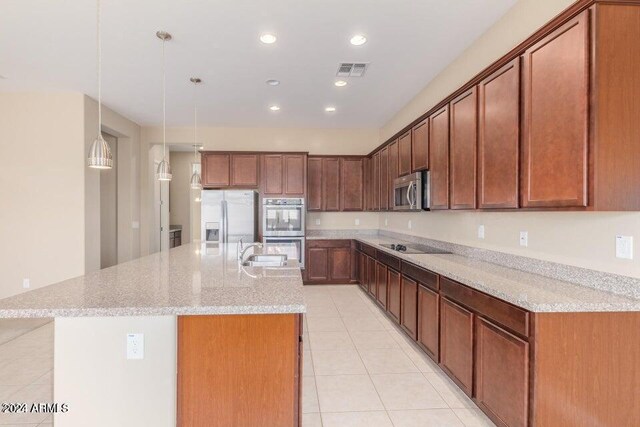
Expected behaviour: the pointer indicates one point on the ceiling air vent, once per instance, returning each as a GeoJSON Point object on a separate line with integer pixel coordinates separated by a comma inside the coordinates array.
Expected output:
{"type": "Point", "coordinates": [351, 69]}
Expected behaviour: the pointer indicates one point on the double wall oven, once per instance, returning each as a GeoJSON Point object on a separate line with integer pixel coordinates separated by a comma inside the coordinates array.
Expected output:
{"type": "Point", "coordinates": [283, 222]}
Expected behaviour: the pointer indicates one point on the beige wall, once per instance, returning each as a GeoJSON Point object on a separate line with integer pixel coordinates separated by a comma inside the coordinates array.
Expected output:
{"type": "Point", "coordinates": [102, 387]}
{"type": "Point", "coordinates": [342, 220]}
{"type": "Point", "coordinates": [582, 239]}
{"type": "Point", "coordinates": [41, 189]}
{"type": "Point", "coordinates": [180, 193]}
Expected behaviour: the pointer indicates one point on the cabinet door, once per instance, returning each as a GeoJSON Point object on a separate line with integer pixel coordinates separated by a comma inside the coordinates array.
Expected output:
{"type": "Point", "coordinates": [351, 184]}
{"type": "Point", "coordinates": [381, 281]}
{"type": "Point", "coordinates": [439, 158]}
{"type": "Point", "coordinates": [502, 374]}
{"type": "Point", "coordinates": [362, 271]}
{"type": "Point", "coordinates": [314, 184]}
{"type": "Point", "coordinates": [366, 163]}
{"type": "Point", "coordinates": [272, 174]}
{"type": "Point", "coordinates": [295, 174]}
{"type": "Point", "coordinates": [331, 184]}
{"type": "Point", "coordinates": [317, 264]}
{"type": "Point", "coordinates": [498, 138]}
{"type": "Point", "coordinates": [244, 170]}
{"type": "Point", "coordinates": [215, 170]}
{"type": "Point", "coordinates": [556, 117]}
{"type": "Point", "coordinates": [393, 301]}
{"type": "Point", "coordinates": [456, 343]}
{"type": "Point", "coordinates": [463, 146]}
{"type": "Point", "coordinates": [420, 146]}
{"type": "Point", "coordinates": [340, 264]}
{"type": "Point", "coordinates": [409, 309]}
{"type": "Point", "coordinates": [393, 170]}
{"type": "Point", "coordinates": [375, 181]}
{"type": "Point", "coordinates": [371, 275]}
{"type": "Point", "coordinates": [384, 179]}
{"type": "Point", "coordinates": [429, 321]}
{"type": "Point", "coordinates": [404, 154]}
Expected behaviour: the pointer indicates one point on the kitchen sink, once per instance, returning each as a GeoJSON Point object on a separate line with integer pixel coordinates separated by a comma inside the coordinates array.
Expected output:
{"type": "Point", "coordinates": [265, 261]}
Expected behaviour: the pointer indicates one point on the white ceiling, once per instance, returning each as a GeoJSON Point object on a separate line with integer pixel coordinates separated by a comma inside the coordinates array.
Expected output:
{"type": "Point", "coordinates": [50, 45]}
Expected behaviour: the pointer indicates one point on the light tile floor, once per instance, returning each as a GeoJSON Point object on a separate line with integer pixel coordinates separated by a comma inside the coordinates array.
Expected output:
{"type": "Point", "coordinates": [26, 370]}
{"type": "Point", "coordinates": [360, 370]}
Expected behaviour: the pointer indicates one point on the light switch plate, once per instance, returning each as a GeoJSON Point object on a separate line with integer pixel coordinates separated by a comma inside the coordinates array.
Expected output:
{"type": "Point", "coordinates": [481, 232]}
{"type": "Point", "coordinates": [317, 221]}
{"type": "Point", "coordinates": [624, 247]}
{"type": "Point", "coordinates": [524, 238]}
{"type": "Point", "coordinates": [135, 225]}
{"type": "Point", "coordinates": [409, 225]}
{"type": "Point", "coordinates": [357, 221]}
{"type": "Point", "coordinates": [135, 346]}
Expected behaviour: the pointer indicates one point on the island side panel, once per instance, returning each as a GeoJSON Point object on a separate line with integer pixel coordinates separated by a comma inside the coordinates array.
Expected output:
{"type": "Point", "coordinates": [586, 369]}
{"type": "Point", "coordinates": [240, 370]}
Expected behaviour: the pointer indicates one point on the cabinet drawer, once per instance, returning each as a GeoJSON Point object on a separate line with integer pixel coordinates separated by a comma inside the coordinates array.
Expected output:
{"type": "Point", "coordinates": [426, 277]}
{"type": "Point", "coordinates": [329, 243]}
{"type": "Point", "coordinates": [389, 260]}
{"type": "Point", "coordinates": [368, 250]}
{"type": "Point", "coordinates": [499, 311]}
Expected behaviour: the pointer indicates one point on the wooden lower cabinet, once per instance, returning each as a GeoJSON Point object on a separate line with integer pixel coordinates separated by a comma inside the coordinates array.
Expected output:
{"type": "Point", "coordinates": [371, 276]}
{"type": "Point", "coordinates": [340, 264]}
{"type": "Point", "coordinates": [409, 306]}
{"type": "Point", "coordinates": [456, 343]}
{"type": "Point", "coordinates": [501, 374]}
{"type": "Point", "coordinates": [317, 264]}
{"type": "Point", "coordinates": [362, 271]}
{"type": "Point", "coordinates": [393, 294]}
{"type": "Point", "coordinates": [381, 284]}
{"type": "Point", "coordinates": [227, 375]}
{"type": "Point", "coordinates": [429, 321]}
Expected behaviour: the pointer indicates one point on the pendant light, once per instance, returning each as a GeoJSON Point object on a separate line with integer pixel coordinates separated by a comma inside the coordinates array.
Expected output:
{"type": "Point", "coordinates": [163, 173]}
{"type": "Point", "coordinates": [100, 156]}
{"type": "Point", "coordinates": [196, 181]}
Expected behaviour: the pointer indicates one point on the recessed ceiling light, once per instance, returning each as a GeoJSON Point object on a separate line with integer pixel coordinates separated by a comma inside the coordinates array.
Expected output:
{"type": "Point", "coordinates": [268, 38]}
{"type": "Point", "coordinates": [274, 108]}
{"type": "Point", "coordinates": [273, 82]}
{"type": "Point", "coordinates": [358, 40]}
{"type": "Point", "coordinates": [340, 83]}
{"type": "Point", "coordinates": [330, 109]}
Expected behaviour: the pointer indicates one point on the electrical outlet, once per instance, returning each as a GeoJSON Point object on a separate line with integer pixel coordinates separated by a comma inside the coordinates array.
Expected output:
{"type": "Point", "coordinates": [481, 232]}
{"type": "Point", "coordinates": [524, 238]}
{"type": "Point", "coordinates": [386, 222]}
{"type": "Point", "coordinates": [135, 225]}
{"type": "Point", "coordinates": [318, 221]}
{"type": "Point", "coordinates": [135, 346]}
{"type": "Point", "coordinates": [409, 225]}
{"type": "Point", "coordinates": [26, 283]}
{"type": "Point", "coordinates": [357, 221]}
{"type": "Point", "coordinates": [624, 247]}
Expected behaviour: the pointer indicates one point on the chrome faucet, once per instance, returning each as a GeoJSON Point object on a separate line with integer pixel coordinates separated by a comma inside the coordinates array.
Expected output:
{"type": "Point", "coordinates": [241, 256]}
{"type": "Point", "coordinates": [240, 247]}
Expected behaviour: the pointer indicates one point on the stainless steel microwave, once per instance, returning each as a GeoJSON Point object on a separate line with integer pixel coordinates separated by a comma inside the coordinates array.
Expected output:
{"type": "Point", "coordinates": [411, 192]}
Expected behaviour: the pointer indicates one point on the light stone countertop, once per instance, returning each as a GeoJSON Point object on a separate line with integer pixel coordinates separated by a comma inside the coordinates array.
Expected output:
{"type": "Point", "coordinates": [530, 291]}
{"type": "Point", "coordinates": [192, 279]}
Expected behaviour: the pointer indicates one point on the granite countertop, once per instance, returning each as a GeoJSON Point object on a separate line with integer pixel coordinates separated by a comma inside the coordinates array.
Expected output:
{"type": "Point", "coordinates": [192, 279]}
{"type": "Point", "coordinates": [533, 292]}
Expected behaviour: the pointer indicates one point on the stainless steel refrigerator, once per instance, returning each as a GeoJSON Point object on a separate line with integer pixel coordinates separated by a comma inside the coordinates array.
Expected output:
{"type": "Point", "coordinates": [228, 215]}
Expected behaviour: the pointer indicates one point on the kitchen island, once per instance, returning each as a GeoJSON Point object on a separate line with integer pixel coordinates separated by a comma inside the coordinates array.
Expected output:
{"type": "Point", "coordinates": [232, 333]}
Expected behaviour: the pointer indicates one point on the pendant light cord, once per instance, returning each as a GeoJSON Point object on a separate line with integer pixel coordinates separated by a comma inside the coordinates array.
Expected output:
{"type": "Point", "coordinates": [164, 105]}
{"type": "Point", "coordinates": [195, 122]}
{"type": "Point", "coordinates": [99, 42]}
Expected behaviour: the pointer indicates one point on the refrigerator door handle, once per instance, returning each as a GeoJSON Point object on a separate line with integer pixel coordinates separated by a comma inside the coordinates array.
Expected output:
{"type": "Point", "coordinates": [225, 222]}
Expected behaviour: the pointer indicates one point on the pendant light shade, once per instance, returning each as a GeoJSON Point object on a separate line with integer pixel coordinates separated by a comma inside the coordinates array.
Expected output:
{"type": "Point", "coordinates": [100, 153]}
{"type": "Point", "coordinates": [163, 173]}
{"type": "Point", "coordinates": [196, 181]}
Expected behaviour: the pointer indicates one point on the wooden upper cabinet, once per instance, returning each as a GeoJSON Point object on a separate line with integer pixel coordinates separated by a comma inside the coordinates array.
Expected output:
{"type": "Point", "coordinates": [502, 373]}
{"type": "Point", "coordinates": [272, 172]}
{"type": "Point", "coordinates": [331, 184]}
{"type": "Point", "coordinates": [314, 184]}
{"type": "Point", "coordinates": [404, 154]}
{"type": "Point", "coordinates": [352, 184]}
{"type": "Point", "coordinates": [244, 170]}
{"type": "Point", "coordinates": [295, 174]}
{"type": "Point", "coordinates": [463, 149]}
{"type": "Point", "coordinates": [420, 146]}
{"type": "Point", "coordinates": [556, 117]}
{"type": "Point", "coordinates": [393, 171]}
{"type": "Point", "coordinates": [384, 179]}
{"type": "Point", "coordinates": [439, 158]}
{"type": "Point", "coordinates": [375, 181]}
{"type": "Point", "coordinates": [366, 163]}
{"type": "Point", "coordinates": [499, 138]}
{"type": "Point", "coordinates": [215, 170]}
